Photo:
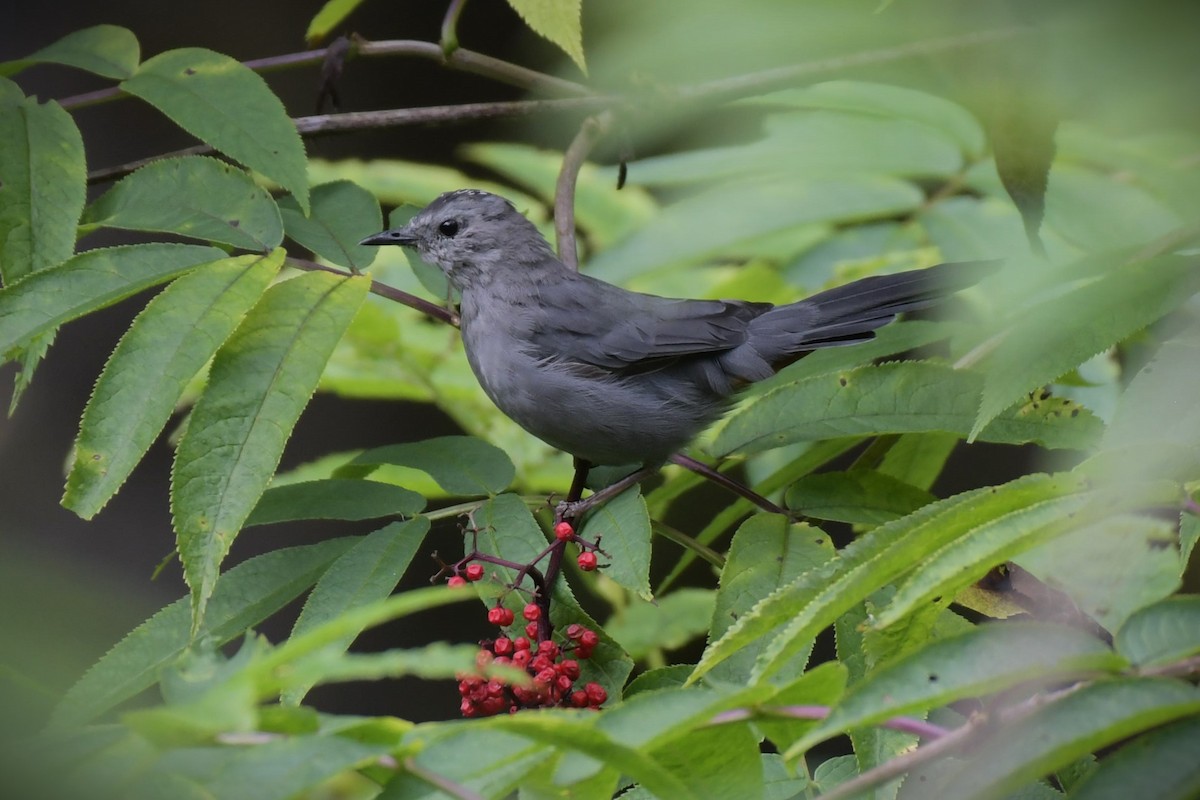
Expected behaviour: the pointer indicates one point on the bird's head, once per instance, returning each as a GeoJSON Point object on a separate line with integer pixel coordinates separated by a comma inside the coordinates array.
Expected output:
{"type": "Point", "coordinates": [471, 235]}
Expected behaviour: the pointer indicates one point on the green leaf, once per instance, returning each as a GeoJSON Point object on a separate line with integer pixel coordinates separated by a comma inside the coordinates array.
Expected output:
{"type": "Point", "coordinates": [823, 685]}
{"type": "Point", "coordinates": [43, 182]}
{"type": "Point", "coordinates": [225, 104]}
{"type": "Point", "coordinates": [1165, 632]}
{"type": "Point", "coordinates": [107, 50]}
{"type": "Point", "coordinates": [810, 603]}
{"type": "Point", "coordinates": [260, 381]}
{"type": "Point", "coordinates": [1050, 338]}
{"type": "Point", "coordinates": [334, 498]}
{"type": "Point", "coordinates": [1008, 534]}
{"type": "Point", "coordinates": [715, 761]}
{"type": "Point", "coordinates": [169, 342]}
{"type": "Point", "coordinates": [367, 572]}
{"type": "Point", "coordinates": [859, 496]}
{"type": "Point", "coordinates": [248, 594]}
{"type": "Point", "coordinates": [194, 196]}
{"type": "Point", "coordinates": [907, 397]}
{"type": "Point", "coordinates": [499, 760]}
{"type": "Point", "coordinates": [274, 770]}
{"type": "Point", "coordinates": [705, 222]}
{"type": "Point", "coordinates": [666, 624]}
{"type": "Point", "coordinates": [981, 661]}
{"type": "Point", "coordinates": [342, 214]}
{"type": "Point", "coordinates": [1161, 764]}
{"type": "Point", "coordinates": [1112, 567]}
{"type": "Point", "coordinates": [89, 282]}
{"type": "Point", "coordinates": [918, 458]}
{"type": "Point", "coordinates": [462, 465]}
{"type": "Point", "coordinates": [766, 553]}
{"type": "Point", "coordinates": [622, 525]}
{"type": "Point", "coordinates": [1084, 721]}
{"type": "Point", "coordinates": [558, 21]}
{"type": "Point", "coordinates": [328, 18]}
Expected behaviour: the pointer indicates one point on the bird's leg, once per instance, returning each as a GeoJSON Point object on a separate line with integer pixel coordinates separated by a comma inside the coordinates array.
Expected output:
{"type": "Point", "coordinates": [705, 471]}
{"type": "Point", "coordinates": [582, 467]}
{"type": "Point", "coordinates": [573, 508]}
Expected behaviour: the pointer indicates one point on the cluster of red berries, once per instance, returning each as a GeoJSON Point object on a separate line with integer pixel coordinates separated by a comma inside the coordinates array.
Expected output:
{"type": "Point", "coordinates": [554, 675]}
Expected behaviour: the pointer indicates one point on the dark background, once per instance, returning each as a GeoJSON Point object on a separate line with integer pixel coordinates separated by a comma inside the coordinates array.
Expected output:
{"type": "Point", "coordinates": [68, 588]}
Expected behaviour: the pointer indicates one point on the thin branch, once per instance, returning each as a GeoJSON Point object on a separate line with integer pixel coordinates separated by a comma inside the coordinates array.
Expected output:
{"type": "Point", "coordinates": [361, 120]}
{"type": "Point", "coordinates": [441, 782]}
{"type": "Point", "coordinates": [383, 290]}
{"type": "Point", "coordinates": [1177, 669]}
{"type": "Point", "coordinates": [590, 132]}
{"type": "Point", "coordinates": [449, 42]}
{"type": "Point", "coordinates": [725, 89]}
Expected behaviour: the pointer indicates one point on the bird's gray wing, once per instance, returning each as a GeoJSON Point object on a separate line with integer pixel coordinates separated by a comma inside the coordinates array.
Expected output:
{"type": "Point", "coordinates": [603, 325]}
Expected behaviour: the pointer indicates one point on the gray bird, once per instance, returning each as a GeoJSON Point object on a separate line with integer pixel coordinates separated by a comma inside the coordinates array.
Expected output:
{"type": "Point", "coordinates": [619, 377]}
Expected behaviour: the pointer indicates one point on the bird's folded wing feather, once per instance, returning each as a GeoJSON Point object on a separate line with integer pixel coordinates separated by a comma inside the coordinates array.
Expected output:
{"type": "Point", "coordinates": [619, 329]}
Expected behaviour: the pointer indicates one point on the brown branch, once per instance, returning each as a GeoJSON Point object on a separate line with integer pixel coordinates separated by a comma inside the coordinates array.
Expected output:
{"type": "Point", "coordinates": [1177, 669]}
{"type": "Point", "coordinates": [383, 290]}
{"type": "Point", "coordinates": [362, 120]}
{"type": "Point", "coordinates": [590, 132]}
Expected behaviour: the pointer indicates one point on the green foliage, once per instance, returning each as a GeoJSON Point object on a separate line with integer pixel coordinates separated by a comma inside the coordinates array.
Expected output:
{"type": "Point", "coordinates": [906, 138]}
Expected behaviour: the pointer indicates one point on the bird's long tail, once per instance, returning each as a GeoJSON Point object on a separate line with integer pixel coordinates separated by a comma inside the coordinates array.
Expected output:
{"type": "Point", "coordinates": [851, 313]}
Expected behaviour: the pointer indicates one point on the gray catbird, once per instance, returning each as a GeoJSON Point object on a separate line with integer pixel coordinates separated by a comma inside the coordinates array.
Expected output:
{"type": "Point", "coordinates": [618, 377]}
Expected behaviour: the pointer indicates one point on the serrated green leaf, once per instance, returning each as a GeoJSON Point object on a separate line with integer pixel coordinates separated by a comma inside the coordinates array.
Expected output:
{"type": "Point", "coordinates": [342, 214]}
{"type": "Point", "coordinates": [623, 527]}
{"type": "Point", "coordinates": [334, 498]}
{"type": "Point", "coordinates": [666, 624]}
{"type": "Point", "coordinates": [806, 606]}
{"type": "Point", "coordinates": [1052, 337]}
{"type": "Point", "coordinates": [907, 397]}
{"type": "Point", "coordinates": [88, 282]}
{"type": "Point", "coordinates": [195, 196]}
{"type": "Point", "coordinates": [42, 186]}
{"type": "Point", "coordinates": [823, 685]}
{"type": "Point", "coordinates": [1098, 212]}
{"type": "Point", "coordinates": [1161, 764]}
{"type": "Point", "coordinates": [328, 18]}
{"type": "Point", "coordinates": [558, 21]}
{"type": "Point", "coordinates": [715, 761]}
{"type": "Point", "coordinates": [273, 770]}
{"type": "Point", "coordinates": [986, 659]}
{"type": "Point", "coordinates": [766, 553]}
{"type": "Point", "coordinates": [859, 496]}
{"type": "Point", "coordinates": [500, 760]}
{"type": "Point", "coordinates": [225, 104]}
{"type": "Point", "coordinates": [1084, 721]}
{"type": "Point", "coordinates": [367, 572]}
{"type": "Point", "coordinates": [1112, 567]}
{"type": "Point", "coordinates": [107, 50]}
{"type": "Point", "coordinates": [462, 465]}
{"type": "Point", "coordinates": [1006, 535]}
{"type": "Point", "coordinates": [705, 222]}
{"type": "Point", "coordinates": [1164, 632]}
{"type": "Point", "coordinates": [169, 342]}
{"type": "Point", "coordinates": [248, 594]}
{"type": "Point", "coordinates": [260, 381]}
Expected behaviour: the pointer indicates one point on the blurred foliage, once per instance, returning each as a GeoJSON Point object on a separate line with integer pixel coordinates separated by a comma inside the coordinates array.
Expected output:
{"type": "Point", "coordinates": [773, 149]}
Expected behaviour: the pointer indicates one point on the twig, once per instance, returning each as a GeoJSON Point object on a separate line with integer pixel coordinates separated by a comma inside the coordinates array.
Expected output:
{"type": "Point", "coordinates": [383, 290]}
{"type": "Point", "coordinates": [1178, 669]}
{"type": "Point", "coordinates": [362, 120]}
{"type": "Point", "coordinates": [449, 42]}
{"type": "Point", "coordinates": [441, 782]}
{"type": "Point", "coordinates": [564, 191]}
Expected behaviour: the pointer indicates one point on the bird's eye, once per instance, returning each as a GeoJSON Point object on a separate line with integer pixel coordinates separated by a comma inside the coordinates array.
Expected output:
{"type": "Point", "coordinates": [448, 227]}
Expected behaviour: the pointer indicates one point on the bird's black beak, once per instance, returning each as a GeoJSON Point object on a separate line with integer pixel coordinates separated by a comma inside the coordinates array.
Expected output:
{"type": "Point", "coordinates": [400, 236]}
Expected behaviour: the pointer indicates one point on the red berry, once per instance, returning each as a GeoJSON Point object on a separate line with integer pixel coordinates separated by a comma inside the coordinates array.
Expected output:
{"type": "Point", "coordinates": [583, 652]}
{"type": "Point", "coordinates": [456, 580]}
{"type": "Point", "coordinates": [596, 694]}
{"type": "Point", "coordinates": [502, 646]}
{"type": "Point", "coordinates": [563, 531]}
{"type": "Point", "coordinates": [521, 643]}
{"type": "Point", "coordinates": [578, 699]}
{"type": "Point", "coordinates": [548, 648]}
{"type": "Point", "coordinates": [520, 658]}
{"type": "Point", "coordinates": [474, 572]}
{"type": "Point", "coordinates": [467, 708]}
{"type": "Point", "coordinates": [532, 612]}
{"type": "Point", "coordinates": [540, 662]}
{"type": "Point", "coordinates": [569, 667]}
{"type": "Point", "coordinates": [499, 615]}
{"type": "Point", "coordinates": [589, 639]}
{"type": "Point", "coordinates": [531, 630]}
{"type": "Point", "coordinates": [574, 631]}
{"type": "Point", "coordinates": [562, 683]}
{"type": "Point", "coordinates": [587, 561]}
